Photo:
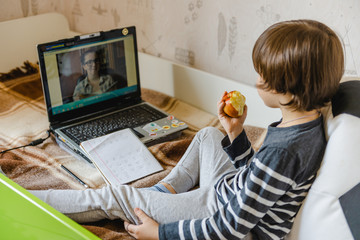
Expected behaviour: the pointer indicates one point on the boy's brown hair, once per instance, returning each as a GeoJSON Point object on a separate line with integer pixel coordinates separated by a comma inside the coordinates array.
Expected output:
{"type": "Point", "coordinates": [304, 58]}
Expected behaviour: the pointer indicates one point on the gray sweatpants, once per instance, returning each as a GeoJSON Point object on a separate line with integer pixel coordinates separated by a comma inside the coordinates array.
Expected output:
{"type": "Point", "coordinates": [203, 163]}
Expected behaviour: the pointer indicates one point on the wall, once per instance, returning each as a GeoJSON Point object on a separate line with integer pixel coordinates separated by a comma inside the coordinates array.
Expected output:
{"type": "Point", "coordinates": [211, 35]}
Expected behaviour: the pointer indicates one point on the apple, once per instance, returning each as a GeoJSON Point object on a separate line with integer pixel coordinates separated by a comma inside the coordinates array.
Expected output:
{"type": "Point", "coordinates": [234, 104]}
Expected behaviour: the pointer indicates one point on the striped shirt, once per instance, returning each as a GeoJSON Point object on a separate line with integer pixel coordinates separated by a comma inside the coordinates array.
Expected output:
{"type": "Point", "coordinates": [267, 190]}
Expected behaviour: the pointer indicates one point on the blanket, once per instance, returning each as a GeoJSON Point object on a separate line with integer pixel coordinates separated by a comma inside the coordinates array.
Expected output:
{"type": "Point", "coordinates": [23, 119]}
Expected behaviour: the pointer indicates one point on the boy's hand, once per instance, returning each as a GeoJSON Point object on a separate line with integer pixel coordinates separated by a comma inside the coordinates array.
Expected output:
{"type": "Point", "coordinates": [232, 126]}
{"type": "Point", "coordinates": [149, 229]}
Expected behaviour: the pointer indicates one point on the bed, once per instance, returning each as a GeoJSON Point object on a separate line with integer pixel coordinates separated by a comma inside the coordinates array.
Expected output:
{"type": "Point", "coordinates": [180, 91]}
{"type": "Point", "coordinates": [23, 118]}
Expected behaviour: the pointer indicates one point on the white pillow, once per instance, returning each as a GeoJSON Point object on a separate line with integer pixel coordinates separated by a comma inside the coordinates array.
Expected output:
{"type": "Point", "coordinates": [321, 216]}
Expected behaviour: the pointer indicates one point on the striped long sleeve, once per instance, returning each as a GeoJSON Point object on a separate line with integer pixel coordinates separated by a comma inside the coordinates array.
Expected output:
{"type": "Point", "coordinates": [263, 196]}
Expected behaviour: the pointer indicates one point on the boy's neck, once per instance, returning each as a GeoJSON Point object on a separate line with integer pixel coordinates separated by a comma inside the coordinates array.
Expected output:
{"type": "Point", "coordinates": [291, 117]}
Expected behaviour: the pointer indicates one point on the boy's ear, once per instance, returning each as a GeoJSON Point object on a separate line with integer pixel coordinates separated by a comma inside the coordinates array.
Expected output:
{"type": "Point", "coordinates": [285, 98]}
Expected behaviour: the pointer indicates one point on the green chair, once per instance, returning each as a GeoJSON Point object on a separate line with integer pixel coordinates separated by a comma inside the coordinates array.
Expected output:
{"type": "Point", "coordinates": [24, 216]}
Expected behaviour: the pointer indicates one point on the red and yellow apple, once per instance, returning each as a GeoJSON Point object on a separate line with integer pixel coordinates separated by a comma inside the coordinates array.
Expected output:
{"type": "Point", "coordinates": [234, 104]}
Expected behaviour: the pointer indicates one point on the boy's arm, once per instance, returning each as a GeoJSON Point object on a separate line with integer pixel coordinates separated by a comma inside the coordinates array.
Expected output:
{"type": "Point", "coordinates": [239, 151]}
{"type": "Point", "coordinates": [148, 229]}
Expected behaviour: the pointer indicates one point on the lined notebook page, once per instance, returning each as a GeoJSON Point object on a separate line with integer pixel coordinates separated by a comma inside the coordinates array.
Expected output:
{"type": "Point", "coordinates": [121, 157]}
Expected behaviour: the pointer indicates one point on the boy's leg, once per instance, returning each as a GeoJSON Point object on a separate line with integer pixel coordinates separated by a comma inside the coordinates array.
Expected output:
{"type": "Point", "coordinates": [202, 164]}
{"type": "Point", "coordinates": [162, 187]}
{"type": "Point", "coordinates": [114, 202]}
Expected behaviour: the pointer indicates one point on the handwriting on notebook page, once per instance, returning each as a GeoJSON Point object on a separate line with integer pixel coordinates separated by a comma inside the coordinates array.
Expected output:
{"type": "Point", "coordinates": [121, 157]}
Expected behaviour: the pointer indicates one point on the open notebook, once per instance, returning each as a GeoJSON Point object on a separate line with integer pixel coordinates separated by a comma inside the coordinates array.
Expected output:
{"type": "Point", "coordinates": [121, 157]}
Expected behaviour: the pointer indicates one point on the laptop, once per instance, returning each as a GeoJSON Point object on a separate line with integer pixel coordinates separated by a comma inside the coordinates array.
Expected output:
{"type": "Point", "coordinates": [91, 86]}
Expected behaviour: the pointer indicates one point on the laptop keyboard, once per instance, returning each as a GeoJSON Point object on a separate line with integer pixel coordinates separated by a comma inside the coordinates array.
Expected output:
{"type": "Point", "coordinates": [128, 118]}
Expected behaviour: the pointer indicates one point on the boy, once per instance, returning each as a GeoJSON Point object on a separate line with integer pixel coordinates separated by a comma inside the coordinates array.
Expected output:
{"type": "Point", "coordinates": [241, 194]}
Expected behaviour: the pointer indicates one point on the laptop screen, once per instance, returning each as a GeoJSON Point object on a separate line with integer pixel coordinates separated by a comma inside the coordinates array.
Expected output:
{"type": "Point", "coordinates": [89, 73]}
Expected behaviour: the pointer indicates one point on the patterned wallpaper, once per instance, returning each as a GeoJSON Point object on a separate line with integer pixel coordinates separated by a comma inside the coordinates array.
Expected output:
{"type": "Point", "coordinates": [211, 35]}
